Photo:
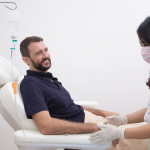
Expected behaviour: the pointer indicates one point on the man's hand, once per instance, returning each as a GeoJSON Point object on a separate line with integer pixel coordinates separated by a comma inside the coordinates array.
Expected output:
{"type": "Point", "coordinates": [115, 142]}
{"type": "Point", "coordinates": [101, 112]}
{"type": "Point", "coordinates": [108, 113]}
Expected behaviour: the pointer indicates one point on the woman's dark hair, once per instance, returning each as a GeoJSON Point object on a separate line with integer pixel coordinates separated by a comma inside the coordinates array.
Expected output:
{"type": "Point", "coordinates": [143, 32]}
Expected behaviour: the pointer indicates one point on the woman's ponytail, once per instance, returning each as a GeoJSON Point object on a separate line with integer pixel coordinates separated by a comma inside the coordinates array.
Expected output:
{"type": "Point", "coordinates": [148, 83]}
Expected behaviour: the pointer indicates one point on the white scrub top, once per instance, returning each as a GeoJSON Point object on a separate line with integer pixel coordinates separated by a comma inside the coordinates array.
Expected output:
{"type": "Point", "coordinates": [147, 119]}
{"type": "Point", "coordinates": [147, 114]}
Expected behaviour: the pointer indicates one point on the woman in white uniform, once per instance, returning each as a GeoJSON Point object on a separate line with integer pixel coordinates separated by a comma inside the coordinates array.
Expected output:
{"type": "Point", "coordinates": [110, 129]}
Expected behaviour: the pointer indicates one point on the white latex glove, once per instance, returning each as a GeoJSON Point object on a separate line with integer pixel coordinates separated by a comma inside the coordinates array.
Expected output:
{"type": "Point", "coordinates": [116, 120]}
{"type": "Point", "coordinates": [107, 133]}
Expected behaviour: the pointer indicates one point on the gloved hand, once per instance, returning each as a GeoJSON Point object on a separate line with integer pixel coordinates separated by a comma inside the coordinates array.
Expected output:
{"type": "Point", "coordinates": [107, 133]}
{"type": "Point", "coordinates": [116, 120]}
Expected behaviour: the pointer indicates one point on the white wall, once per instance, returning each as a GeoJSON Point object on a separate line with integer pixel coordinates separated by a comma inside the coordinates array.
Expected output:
{"type": "Point", "coordinates": [93, 45]}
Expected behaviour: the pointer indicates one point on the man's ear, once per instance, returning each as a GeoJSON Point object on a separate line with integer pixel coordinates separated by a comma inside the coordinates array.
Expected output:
{"type": "Point", "coordinates": [26, 60]}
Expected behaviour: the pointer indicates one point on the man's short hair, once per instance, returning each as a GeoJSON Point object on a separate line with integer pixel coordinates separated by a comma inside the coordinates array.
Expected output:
{"type": "Point", "coordinates": [26, 42]}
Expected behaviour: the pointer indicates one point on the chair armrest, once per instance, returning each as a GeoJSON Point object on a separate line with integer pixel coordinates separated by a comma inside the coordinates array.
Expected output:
{"type": "Point", "coordinates": [89, 104]}
{"type": "Point", "coordinates": [0, 103]}
{"type": "Point", "coordinates": [0, 107]}
{"type": "Point", "coordinates": [35, 138]}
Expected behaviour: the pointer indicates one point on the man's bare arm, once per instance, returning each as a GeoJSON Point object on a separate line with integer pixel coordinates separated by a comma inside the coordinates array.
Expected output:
{"type": "Point", "coordinates": [100, 112]}
{"type": "Point", "coordinates": [52, 126]}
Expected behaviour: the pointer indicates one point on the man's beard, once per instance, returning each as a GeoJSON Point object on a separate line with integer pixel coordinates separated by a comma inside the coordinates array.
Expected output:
{"type": "Point", "coordinates": [39, 66]}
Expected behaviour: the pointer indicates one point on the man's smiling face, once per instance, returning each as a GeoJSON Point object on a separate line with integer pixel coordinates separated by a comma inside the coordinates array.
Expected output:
{"type": "Point", "coordinates": [39, 59]}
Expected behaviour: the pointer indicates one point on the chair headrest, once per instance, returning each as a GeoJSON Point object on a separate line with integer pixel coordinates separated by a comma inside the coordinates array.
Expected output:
{"type": "Point", "coordinates": [5, 72]}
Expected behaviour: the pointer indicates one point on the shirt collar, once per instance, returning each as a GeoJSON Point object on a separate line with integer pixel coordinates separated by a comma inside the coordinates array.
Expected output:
{"type": "Point", "coordinates": [40, 74]}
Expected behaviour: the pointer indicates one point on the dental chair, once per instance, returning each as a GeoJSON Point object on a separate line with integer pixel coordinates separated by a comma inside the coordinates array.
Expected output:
{"type": "Point", "coordinates": [36, 140]}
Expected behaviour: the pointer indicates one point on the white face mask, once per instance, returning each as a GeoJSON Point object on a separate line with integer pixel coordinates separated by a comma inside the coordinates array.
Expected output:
{"type": "Point", "coordinates": [145, 52]}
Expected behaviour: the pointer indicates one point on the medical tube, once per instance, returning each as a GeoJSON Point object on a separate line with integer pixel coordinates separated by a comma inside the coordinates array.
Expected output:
{"type": "Point", "coordinates": [14, 86]}
{"type": "Point", "coordinates": [12, 52]}
{"type": "Point", "coordinates": [13, 48]}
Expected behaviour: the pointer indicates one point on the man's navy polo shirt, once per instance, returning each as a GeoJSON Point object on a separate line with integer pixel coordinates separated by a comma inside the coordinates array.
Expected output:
{"type": "Point", "coordinates": [40, 93]}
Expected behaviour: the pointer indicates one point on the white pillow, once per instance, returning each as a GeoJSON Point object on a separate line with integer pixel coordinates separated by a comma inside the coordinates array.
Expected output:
{"type": "Point", "coordinates": [5, 72]}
